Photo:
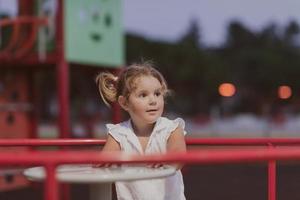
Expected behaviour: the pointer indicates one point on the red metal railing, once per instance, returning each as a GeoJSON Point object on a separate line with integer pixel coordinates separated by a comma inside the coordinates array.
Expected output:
{"type": "Point", "coordinates": [189, 141]}
{"type": "Point", "coordinates": [50, 142]}
{"type": "Point", "coordinates": [226, 155]}
{"type": "Point", "coordinates": [243, 141]}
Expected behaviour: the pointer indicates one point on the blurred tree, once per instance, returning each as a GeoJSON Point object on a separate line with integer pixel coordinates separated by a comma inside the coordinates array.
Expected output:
{"type": "Point", "coordinates": [291, 32]}
{"type": "Point", "coordinates": [238, 36]}
{"type": "Point", "coordinates": [192, 38]}
{"type": "Point", "coordinates": [257, 62]}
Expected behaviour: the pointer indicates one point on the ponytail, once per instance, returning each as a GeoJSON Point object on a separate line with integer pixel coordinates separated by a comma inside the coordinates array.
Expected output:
{"type": "Point", "coordinates": [107, 86]}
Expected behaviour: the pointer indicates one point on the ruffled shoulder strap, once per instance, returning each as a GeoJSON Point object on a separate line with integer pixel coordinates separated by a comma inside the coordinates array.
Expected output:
{"type": "Point", "coordinates": [124, 135]}
{"type": "Point", "coordinates": [117, 131]}
{"type": "Point", "coordinates": [175, 123]}
{"type": "Point", "coordinates": [167, 126]}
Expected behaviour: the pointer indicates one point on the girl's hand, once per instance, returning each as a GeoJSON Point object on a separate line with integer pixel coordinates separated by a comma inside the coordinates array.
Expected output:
{"type": "Point", "coordinates": [106, 165]}
{"type": "Point", "coordinates": [102, 165]}
{"type": "Point", "coordinates": [155, 165]}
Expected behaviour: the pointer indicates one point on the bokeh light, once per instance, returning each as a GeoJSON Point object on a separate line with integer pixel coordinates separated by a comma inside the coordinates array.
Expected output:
{"type": "Point", "coordinates": [284, 92]}
{"type": "Point", "coordinates": [227, 89]}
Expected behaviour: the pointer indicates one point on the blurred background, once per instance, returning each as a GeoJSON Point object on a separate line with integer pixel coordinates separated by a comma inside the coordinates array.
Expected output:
{"type": "Point", "coordinates": [233, 66]}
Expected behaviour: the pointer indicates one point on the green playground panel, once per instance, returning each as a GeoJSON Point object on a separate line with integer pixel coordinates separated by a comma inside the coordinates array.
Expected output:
{"type": "Point", "coordinates": [94, 33]}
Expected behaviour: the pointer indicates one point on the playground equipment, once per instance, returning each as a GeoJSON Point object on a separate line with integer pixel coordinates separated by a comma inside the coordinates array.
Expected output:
{"type": "Point", "coordinates": [268, 150]}
{"type": "Point", "coordinates": [100, 179]}
{"type": "Point", "coordinates": [55, 34]}
{"type": "Point", "coordinates": [48, 41]}
{"type": "Point", "coordinates": [257, 150]}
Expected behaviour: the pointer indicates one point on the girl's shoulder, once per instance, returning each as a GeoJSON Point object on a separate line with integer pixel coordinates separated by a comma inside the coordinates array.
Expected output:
{"type": "Point", "coordinates": [170, 121]}
{"type": "Point", "coordinates": [119, 127]}
{"type": "Point", "coordinates": [171, 124]}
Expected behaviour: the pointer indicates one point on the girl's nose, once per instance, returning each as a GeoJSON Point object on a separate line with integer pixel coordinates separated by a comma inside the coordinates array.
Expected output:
{"type": "Point", "coordinates": [152, 100]}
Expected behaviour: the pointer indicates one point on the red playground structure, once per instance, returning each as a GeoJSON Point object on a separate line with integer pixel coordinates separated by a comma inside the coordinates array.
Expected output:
{"type": "Point", "coordinates": [35, 39]}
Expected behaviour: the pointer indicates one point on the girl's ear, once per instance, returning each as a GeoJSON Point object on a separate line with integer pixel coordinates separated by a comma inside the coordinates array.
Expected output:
{"type": "Point", "coordinates": [123, 102]}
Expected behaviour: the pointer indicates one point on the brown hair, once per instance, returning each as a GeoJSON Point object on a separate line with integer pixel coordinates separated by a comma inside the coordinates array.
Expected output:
{"type": "Point", "coordinates": [111, 86]}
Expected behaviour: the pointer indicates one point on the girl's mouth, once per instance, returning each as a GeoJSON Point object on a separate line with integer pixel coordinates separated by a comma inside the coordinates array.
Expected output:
{"type": "Point", "coordinates": [152, 110]}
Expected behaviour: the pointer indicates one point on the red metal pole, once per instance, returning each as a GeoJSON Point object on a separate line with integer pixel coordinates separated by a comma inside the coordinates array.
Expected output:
{"type": "Point", "coordinates": [271, 177]}
{"type": "Point", "coordinates": [272, 180]}
{"type": "Point", "coordinates": [51, 184]}
{"type": "Point", "coordinates": [189, 141]}
{"type": "Point", "coordinates": [51, 142]}
{"type": "Point", "coordinates": [63, 96]}
{"type": "Point", "coordinates": [242, 141]}
{"type": "Point", "coordinates": [33, 111]}
{"type": "Point", "coordinates": [62, 75]}
{"type": "Point", "coordinates": [208, 156]}
{"type": "Point", "coordinates": [116, 113]}
{"type": "Point", "coordinates": [63, 84]}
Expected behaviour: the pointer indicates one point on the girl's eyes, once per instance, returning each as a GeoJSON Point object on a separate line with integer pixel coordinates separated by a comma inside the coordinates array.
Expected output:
{"type": "Point", "coordinates": [142, 95]}
{"type": "Point", "coordinates": [157, 94]}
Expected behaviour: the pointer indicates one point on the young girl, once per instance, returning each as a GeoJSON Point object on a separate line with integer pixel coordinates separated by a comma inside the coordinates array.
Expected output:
{"type": "Point", "coordinates": [140, 90]}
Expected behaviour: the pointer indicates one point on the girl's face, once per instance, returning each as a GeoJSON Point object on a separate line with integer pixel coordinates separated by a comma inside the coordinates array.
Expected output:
{"type": "Point", "coordinates": [146, 103]}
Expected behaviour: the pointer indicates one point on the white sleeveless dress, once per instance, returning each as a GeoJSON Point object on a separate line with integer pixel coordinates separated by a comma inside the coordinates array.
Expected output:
{"type": "Point", "coordinates": [170, 188]}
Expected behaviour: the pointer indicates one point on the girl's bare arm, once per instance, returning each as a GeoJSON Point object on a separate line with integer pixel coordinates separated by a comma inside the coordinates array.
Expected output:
{"type": "Point", "coordinates": [111, 144]}
{"type": "Point", "coordinates": [176, 143]}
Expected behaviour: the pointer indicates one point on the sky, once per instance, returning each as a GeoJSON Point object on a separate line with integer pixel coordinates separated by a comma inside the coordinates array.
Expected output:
{"type": "Point", "coordinates": [168, 19]}
{"type": "Point", "coordinates": [8, 6]}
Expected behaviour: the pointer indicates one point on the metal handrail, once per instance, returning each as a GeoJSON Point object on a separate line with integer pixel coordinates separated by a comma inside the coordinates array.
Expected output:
{"type": "Point", "coordinates": [189, 141]}
{"type": "Point", "coordinates": [52, 159]}
{"type": "Point", "coordinates": [266, 152]}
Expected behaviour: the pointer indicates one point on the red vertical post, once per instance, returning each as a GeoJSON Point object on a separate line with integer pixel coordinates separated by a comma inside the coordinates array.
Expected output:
{"type": "Point", "coordinates": [33, 101]}
{"type": "Point", "coordinates": [26, 8]}
{"type": "Point", "coordinates": [117, 112]}
{"type": "Point", "coordinates": [51, 184]}
{"type": "Point", "coordinates": [62, 75]}
{"type": "Point", "coordinates": [63, 98]}
{"type": "Point", "coordinates": [34, 109]}
{"type": "Point", "coordinates": [62, 71]}
{"type": "Point", "coordinates": [271, 178]}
